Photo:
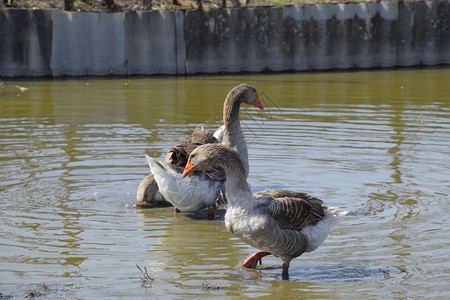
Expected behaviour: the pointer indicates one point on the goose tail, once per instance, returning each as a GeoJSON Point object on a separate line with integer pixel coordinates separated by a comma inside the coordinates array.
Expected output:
{"type": "Point", "coordinates": [337, 213]}
{"type": "Point", "coordinates": [154, 164]}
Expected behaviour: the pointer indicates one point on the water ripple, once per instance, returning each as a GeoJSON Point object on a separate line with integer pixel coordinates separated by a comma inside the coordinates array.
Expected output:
{"type": "Point", "coordinates": [71, 157]}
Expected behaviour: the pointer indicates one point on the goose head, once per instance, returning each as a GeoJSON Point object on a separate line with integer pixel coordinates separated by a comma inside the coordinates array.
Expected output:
{"type": "Point", "coordinates": [148, 194]}
{"type": "Point", "coordinates": [210, 155]}
{"type": "Point", "coordinates": [247, 93]}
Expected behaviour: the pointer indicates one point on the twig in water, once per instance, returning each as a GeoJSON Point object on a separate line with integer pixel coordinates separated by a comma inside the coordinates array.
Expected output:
{"type": "Point", "coordinates": [208, 286]}
{"type": "Point", "coordinates": [146, 279]}
{"type": "Point", "coordinates": [2, 296]}
{"type": "Point", "coordinates": [39, 292]}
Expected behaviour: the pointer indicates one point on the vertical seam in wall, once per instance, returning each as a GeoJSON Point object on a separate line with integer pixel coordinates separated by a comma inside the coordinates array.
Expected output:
{"type": "Point", "coordinates": [125, 27]}
{"type": "Point", "coordinates": [176, 41]}
{"type": "Point", "coordinates": [183, 45]}
{"type": "Point", "coordinates": [180, 44]}
{"type": "Point", "coordinates": [52, 73]}
{"type": "Point", "coordinates": [397, 35]}
{"type": "Point", "coordinates": [185, 63]}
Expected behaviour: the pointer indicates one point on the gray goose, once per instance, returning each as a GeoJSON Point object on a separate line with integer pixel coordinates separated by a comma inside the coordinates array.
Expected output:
{"type": "Point", "coordinates": [279, 222]}
{"type": "Point", "coordinates": [206, 187]}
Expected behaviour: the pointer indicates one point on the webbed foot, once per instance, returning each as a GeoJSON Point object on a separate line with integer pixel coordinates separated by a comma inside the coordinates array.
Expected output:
{"type": "Point", "coordinates": [252, 261]}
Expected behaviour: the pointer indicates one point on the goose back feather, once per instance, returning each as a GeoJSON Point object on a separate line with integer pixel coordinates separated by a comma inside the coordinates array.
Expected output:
{"type": "Point", "coordinates": [191, 195]}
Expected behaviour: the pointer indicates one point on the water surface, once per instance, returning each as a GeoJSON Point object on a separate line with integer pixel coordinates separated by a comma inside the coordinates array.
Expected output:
{"type": "Point", "coordinates": [374, 143]}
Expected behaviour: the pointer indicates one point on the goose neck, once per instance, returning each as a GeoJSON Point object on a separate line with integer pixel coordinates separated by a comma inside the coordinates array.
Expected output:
{"type": "Point", "coordinates": [231, 111]}
{"type": "Point", "coordinates": [236, 184]}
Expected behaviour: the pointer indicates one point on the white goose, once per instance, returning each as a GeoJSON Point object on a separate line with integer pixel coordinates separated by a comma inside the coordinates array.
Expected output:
{"type": "Point", "coordinates": [280, 222]}
{"type": "Point", "coordinates": [203, 189]}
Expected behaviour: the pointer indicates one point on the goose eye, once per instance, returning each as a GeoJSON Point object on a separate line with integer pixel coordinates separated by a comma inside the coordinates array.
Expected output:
{"type": "Point", "coordinates": [192, 156]}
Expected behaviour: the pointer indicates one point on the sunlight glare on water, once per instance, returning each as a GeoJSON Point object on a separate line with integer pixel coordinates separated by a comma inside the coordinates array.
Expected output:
{"type": "Point", "coordinates": [374, 143]}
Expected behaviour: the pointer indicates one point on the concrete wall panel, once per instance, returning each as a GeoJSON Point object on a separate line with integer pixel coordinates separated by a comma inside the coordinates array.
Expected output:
{"type": "Point", "coordinates": [282, 38]}
{"type": "Point", "coordinates": [291, 38]}
{"type": "Point", "coordinates": [424, 33]}
{"type": "Point", "coordinates": [88, 44]}
{"type": "Point", "coordinates": [25, 43]}
{"type": "Point", "coordinates": [151, 42]}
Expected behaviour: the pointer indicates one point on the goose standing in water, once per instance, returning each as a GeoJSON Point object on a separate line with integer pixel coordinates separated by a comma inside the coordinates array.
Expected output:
{"type": "Point", "coordinates": [280, 222]}
{"type": "Point", "coordinates": [204, 188]}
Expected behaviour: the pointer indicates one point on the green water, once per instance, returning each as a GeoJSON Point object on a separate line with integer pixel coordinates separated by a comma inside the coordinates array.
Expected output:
{"type": "Point", "coordinates": [374, 143]}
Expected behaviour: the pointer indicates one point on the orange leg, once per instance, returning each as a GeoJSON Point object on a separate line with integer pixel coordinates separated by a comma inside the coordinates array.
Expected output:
{"type": "Point", "coordinates": [253, 259]}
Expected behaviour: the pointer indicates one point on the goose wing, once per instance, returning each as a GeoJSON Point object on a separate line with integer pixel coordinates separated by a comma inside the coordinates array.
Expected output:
{"type": "Point", "coordinates": [292, 210]}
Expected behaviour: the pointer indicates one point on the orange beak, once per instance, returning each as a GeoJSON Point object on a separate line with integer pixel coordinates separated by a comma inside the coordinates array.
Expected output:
{"type": "Point", "coordinates": [188, 169]}
{"type": "Point", "coordinates": [258, 103]}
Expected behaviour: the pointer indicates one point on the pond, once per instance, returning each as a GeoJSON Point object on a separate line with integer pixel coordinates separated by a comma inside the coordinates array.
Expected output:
{"type": "Point", "coordinates": [375, 143]}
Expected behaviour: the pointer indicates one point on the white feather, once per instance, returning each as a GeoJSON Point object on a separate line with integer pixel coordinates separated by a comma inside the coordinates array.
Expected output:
{"type": "Point", "coordinates": [189, 194]}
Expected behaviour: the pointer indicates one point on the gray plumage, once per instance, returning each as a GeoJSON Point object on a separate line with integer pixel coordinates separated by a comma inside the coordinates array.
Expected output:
{"type": "Point", "coordinates": [279, 222]}
{"type": "Point", "coordinates": [231, 134]}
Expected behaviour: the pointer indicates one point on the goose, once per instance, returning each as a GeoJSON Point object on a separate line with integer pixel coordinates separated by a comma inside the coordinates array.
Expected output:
{"type": "Point", "coordinates": [279, 222]}
{"type": "Point", "coordinates": [204, 188]}
{"type": "Point", "coordinates": [148, 194]}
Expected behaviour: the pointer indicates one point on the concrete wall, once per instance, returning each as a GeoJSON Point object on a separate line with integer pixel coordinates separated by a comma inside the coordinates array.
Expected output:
{"type": "Point", "coordinates": [318, 37]}
{"type": "Point", "coordinates": [25, 43]}
{"type": "Point", "coordinates": [292, 38]}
